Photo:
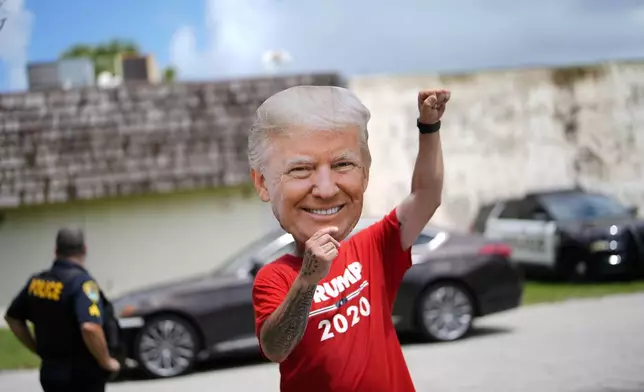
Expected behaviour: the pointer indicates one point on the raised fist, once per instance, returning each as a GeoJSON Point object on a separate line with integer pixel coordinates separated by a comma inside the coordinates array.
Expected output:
{"type": "Point", "coordinates": [319, 252]}
{"type": "Point", "coordinates": [431, 105]}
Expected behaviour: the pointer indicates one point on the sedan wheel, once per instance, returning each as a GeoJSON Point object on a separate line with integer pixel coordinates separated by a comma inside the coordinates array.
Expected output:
{"type": "Point", "coordinates": [446, 312]}
{"type": "Point", "coordinates": [166, 347]}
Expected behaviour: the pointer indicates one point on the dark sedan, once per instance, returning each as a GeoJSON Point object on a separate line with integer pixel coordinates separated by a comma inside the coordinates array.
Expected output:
{"type": "Point", "coordinates": [454, 279]}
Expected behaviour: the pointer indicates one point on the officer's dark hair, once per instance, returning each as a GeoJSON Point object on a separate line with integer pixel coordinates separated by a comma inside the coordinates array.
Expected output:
{"type": "Point", "coordinates": [70, 243]}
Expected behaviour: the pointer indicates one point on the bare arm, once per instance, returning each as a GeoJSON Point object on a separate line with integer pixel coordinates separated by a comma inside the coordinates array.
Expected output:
{"type": "Point", "coordinates": [284, 329]}
{"type": "Point", "coordinates": [88, 309]}
{"type": "Point", "coordinates": [22, 333]}
{"type": "Point", "coordinates": [427, 181]}
{"type": "Point", "coordinates": [94, 339]}
{"type": "Point", "coordinates": [427, 186]}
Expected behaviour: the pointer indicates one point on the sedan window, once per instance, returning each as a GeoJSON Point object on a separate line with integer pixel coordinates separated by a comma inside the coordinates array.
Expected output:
{"type": "Point", "coordinates": [420, 246]}
{"type": "Point", "coordinates": [290, 248]}
{"type": "Point", "coordinates": [423, 239]}
{"type": "Point", "coordinates": [244, 258]}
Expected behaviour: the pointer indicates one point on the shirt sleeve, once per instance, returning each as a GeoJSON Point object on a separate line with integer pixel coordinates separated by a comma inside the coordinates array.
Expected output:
{"type": "Point", "coordinates": [396, 261]}
{"type": "Point", "coordinates": [19, 307]}
{"type": "Point", "coordinates": [87, 301]}
{"type": "Point", "coordinates": [269, 290]}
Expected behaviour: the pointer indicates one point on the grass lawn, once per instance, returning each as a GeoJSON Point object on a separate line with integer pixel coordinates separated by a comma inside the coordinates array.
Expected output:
{"type": "Point", "coordinates": [537, 292]}
{"type": "Point", "coordinates": [14, 356]}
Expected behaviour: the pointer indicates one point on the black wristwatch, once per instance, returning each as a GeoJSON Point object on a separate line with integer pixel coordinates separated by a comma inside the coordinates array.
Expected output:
{"type": "Point", "coordinates": [428, 128]}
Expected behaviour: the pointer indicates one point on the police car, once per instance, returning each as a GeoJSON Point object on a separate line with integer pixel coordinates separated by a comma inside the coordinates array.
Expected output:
{"type": "Point", "coordinates": [571, 233]}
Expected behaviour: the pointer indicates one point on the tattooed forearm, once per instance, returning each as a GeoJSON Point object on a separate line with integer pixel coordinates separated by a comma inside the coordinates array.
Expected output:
{"type": "Point", "coordinates": [284, 328]}
{"type": "Point", "coordinates": [310, 265]}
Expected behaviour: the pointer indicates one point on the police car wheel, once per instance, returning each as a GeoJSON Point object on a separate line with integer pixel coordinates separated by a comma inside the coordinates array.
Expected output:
{"type": "Point", "coordinates": [166, 346]}
{"type": "Point", "coordinates": [446, 312]}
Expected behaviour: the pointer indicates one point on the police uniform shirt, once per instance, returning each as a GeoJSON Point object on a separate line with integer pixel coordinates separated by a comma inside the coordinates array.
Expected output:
{"type": "Point", "coordinates": [58, 301]}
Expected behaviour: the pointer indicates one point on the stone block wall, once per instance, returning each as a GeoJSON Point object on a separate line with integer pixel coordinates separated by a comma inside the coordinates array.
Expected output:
{"type": "Point", "coordinates": [57, 146]}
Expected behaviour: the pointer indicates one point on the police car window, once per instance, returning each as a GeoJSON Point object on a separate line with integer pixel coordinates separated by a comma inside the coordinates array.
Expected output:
{"type": "Point", "coordinates": [583, 206]}
{"type": "Point", "coordinates": [532, 210]}
{"type": "Point", "coordinates": [511, 210]}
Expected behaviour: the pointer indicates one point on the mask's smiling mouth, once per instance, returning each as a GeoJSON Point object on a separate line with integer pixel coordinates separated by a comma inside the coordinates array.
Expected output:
{"type": "Point", "coordinates": [324, 212]}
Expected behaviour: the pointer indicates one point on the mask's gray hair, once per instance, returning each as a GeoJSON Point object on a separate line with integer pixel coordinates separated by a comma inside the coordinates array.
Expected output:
{"type": "Point", "coordinates": [306, 108]}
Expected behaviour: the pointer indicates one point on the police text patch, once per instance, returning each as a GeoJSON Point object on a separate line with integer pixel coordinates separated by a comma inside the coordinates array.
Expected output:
{"type": "Point", "coordinates": [45, 289]}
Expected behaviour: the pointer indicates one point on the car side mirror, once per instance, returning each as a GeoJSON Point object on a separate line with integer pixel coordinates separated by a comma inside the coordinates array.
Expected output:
{"type": "Point", "coordinates": [255, 267]}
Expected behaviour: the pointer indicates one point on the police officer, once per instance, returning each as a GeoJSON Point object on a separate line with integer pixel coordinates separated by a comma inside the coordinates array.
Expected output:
{"type": "Point", "coordinates": [67, 309]}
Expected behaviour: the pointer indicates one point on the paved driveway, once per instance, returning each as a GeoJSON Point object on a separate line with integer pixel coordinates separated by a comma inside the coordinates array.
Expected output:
{"type": "Point", "coordinates": [578, 346]}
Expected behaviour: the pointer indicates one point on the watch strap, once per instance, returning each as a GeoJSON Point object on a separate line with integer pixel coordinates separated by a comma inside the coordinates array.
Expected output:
{"type": "Point", "coordinates": [428, 128]}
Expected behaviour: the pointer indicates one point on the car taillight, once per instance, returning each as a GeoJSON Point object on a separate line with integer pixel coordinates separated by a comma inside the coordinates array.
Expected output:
{"type": "Point", "coordinates": [496, 249]}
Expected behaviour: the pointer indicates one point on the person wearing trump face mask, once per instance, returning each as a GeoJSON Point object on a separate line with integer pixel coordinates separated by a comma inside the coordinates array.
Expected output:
{"type": "Point", "coordinates": [324, 312]}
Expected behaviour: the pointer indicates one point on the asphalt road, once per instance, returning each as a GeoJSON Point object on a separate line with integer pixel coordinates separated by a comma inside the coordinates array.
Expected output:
{"type": "Point", "coordinates": [593, 345]}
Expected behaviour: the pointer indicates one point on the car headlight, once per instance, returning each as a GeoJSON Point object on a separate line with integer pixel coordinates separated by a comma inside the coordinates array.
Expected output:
{"type": "Point", "coordinates": [603, 245]}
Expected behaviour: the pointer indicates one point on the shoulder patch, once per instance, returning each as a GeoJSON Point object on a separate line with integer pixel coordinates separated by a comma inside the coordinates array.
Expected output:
{"type": "Point", "coordinates": [94, 311]}
{"type": "Point", "coordinates": [90, 288]}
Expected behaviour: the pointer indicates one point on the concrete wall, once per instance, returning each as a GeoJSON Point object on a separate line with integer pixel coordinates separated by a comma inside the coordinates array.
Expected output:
{"type": "Point", "coordinates": [510, 131]}
{"type": "Point", "coordinates": [133, 241]}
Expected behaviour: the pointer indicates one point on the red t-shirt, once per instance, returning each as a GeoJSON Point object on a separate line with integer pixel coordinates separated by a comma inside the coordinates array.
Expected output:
{"type": "Point", "coordinates": [350, 343]}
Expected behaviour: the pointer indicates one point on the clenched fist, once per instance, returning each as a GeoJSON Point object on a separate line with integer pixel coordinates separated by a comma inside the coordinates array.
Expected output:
{"type": "Point", "coordinates": [431, 105]}
{"type": "Point", "coordinates": [319, 252]}
{"type": "Point", "coordinates": [112, 365]}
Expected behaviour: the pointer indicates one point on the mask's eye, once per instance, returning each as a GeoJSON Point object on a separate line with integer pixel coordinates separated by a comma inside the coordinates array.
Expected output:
{"type": "Point", "coordinates": [344, 166]}
{"type": "Point", "coordinates": [300, 172]}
